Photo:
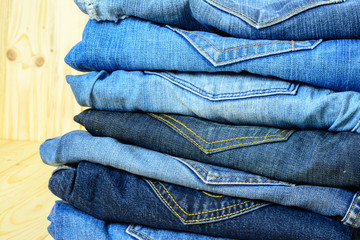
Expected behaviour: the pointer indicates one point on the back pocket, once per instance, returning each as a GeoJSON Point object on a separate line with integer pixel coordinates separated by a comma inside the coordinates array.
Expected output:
{"type": "Point", "coordinates": [197, 207]}
{"type": "Point", "coordinates": [220, 51]}
{"type": "Point", "coordinates": [264, 13]}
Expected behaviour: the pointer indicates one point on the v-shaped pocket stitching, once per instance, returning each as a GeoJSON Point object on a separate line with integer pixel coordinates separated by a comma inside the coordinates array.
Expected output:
{"type": "Point", "coordinates": [225, 140]}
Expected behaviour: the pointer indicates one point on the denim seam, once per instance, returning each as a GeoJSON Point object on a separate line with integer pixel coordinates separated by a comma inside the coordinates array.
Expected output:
{"type": "Point", "coordinates": [233, 94]}
{"type": "Point", "coordinates": [210, 195]}
{"type": "Point", "coordinates": [193, 214]}
{"type": "Point", "coordinates": [264, 23]}
{"type": "Point", "coordinates": [352, 206]}
{"type": "Point", "coordinates": [352, 225]}
{"type": "Point", "coordinates": [205, 219]}
{"type": "Point", "coordinates": [226, 147]}
{"type": "Point", "coordinates": [277, 182]}
{"type": "Point", "coordinates": [356, 127]}
{"type": "Point", "coordinates": [253, 55]}
{"type": "Point", "coordinates": [133, 230]}
{"type": "Point", "coordinates": [225, 140]}
{"type": "Point", "coordinates": [251, 45]}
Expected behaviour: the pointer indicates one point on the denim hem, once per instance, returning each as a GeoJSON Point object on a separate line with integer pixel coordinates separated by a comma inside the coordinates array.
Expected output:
{"type": "Point", "coordinates": [135, 233]}
{"type": "Point", "coordinates": [356, 128]}
{"type": "Point", "coordinates": [353, 214]}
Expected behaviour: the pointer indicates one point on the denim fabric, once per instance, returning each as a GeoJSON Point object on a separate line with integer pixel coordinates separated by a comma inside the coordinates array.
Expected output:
{"type": "Point", "coordinates": [116, 196]}
{"type": "Point", "coordinates": [134, 44]}
{"type": "Point", "coordinates": [261, 19]}
{"type": "Point", "coordinates": [68, 223]}
{"type": "Point", "coordinates": [229, 98]}
{"type": "Point", "coordinates": [79, 145]}
{"type": "Point", "coordinates": [305, 157]}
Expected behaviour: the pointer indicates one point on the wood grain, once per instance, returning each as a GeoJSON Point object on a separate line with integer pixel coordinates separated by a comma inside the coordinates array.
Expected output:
{"type": "Point", "coordinates": [35, 101]}
{"type": "Point", "coordinates": [25, 201]}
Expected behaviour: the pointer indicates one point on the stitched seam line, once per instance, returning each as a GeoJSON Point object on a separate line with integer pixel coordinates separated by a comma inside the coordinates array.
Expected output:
{"type": "Point", "coordinates": [210, 94]}
{"type": "Point", "coordinates": [64, 166]}
{"type": "Point", "coordinates": [226, 140]}
{"type": "Point", "coordinates": [352, 206]}
{"type": "Point", "coordinates": [230, 177]}
{"type": "Point", "coordinates": [259, 54]}
{"type": "Point", "coordinates": [210, 195]}
{"type": "Point", "coordinates": [215, 149]}
{"type": "Point", "coordinates": [276, 19]}
{"type": "Point", "coordinates": [192, 214]}
{"type": "Point", "coordinates": [197, 220]}
{"type": "Point", "coordinates": [251, 45]}
{"type": "Point", "coordinates": [356, 126]}
{"type": "Point", "coordinates": [356, 219]}
{"type": "Point", "coordinates": [133, 230]}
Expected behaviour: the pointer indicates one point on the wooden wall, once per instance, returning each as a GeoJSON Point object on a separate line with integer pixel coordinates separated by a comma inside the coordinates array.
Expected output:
{"type": "Point", "coordinates": [35, 101]}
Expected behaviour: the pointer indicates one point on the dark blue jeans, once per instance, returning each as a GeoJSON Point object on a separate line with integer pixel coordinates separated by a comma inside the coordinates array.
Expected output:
{"type": "Point", "coordinates": [114, 195]}
{"type": "Point", "coordinates": [303, 157]}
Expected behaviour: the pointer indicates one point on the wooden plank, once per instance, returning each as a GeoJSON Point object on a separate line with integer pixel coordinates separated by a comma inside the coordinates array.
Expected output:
{"type": "Point", "coordinates": [25, 201]}
{"type": "Point", "coordinates": [35, 101]}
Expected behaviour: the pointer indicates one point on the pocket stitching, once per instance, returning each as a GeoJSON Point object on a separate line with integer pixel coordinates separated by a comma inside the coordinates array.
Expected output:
{"type": "Point", "coordinates": [253, 55]}
{"type": "Point", "coordinates": [214, 196]}
{"type": "Point", "coordinates": [261, 183]}
{"type": "Point", "coordinates": [133, 230]}
{"type": "Point", "coordinates": [205, 219]}
{"type": "Point", "coordinates": [251, 45]}
{"type": "Point", "coordinates": [235, 145]}
{"type": "Point", "coordinates": [352, 206]}
{"type": "Point", "coordinates": [233, 94]}
{"type": "Point", "coordinates": [264, 23]}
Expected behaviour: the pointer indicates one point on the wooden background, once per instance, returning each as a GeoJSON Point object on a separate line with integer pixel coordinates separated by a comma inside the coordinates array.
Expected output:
{"type": "Point", "coordinates": [35, 101]}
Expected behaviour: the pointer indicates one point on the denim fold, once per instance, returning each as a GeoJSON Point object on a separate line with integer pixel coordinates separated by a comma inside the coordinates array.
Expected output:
{"type": "Point", "coordinates": [301, 157]}
{"type": "Point", "coordinates": [241, 99]}
{"type": "Point", "coordinates": [261, 19]}
{"type": "Point", "coordinates": [116, 196]}
{"type": "Point", "coordinates": [135, 44]}
{"type": "Point", "coordinates": [69, 223]}
{"type": "Point", "coordinates": [79, 145]}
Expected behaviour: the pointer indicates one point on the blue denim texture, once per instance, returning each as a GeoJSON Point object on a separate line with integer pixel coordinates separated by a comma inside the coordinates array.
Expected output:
{"type": "Point", "coordinates": [261, 19]}
{"type": "Point", "coordinates": [117, 196]}
{"type": "Point", "coordinates": [69, 223]}
{"type": "Point", "coordinates": [228, 98]}
{"type": "Point", "coordinates": [77, 146]}
{"type": "Point", "coordinates": [134, 44]}
{"type": "Point", "coordinates": [301, 157]}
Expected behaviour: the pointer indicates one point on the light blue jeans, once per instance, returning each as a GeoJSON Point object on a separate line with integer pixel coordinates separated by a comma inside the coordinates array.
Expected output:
{"type": "Point", "coordinates": [134, 44]}
{"type": "Point", "coordinates": [256, 19]}
{"type": "Point", "coordinates": [229, 98]}
{"type": "Point", "coordinates": [79, 145]}
{"type": "Point", "coordinates": [69, 223]}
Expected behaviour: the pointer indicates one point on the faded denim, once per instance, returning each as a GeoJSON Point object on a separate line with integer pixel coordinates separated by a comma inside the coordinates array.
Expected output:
{"type": "Point", "coordinates": [69, 223]}
{"type": "Point", "coordinates": [77, 146]}
{"type": "Point", "coordinates": [261, 19]}
{"type": "Point", "coordinates": [134, 44]}
{"type": "Point", "coordinates": [302, 157]}
{"type": "Point", "coordinates": [116, 196]}
{"type": "Point", "coordinates": [241, 99]}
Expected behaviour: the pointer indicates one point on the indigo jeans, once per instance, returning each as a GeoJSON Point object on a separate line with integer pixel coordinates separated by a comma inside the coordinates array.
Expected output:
{"type": "Point", "coordinates": [69, 223]}
{"type": "Point", "coordinates": [261, 19]}
{"type": "Point", "coordinates": [116, 196]}
{"type": "Point", "coordinates": [134, 44]}
{"type": "Point", "coordinates": [240, 99]}
{"type": "Point", "coordinates": [79, 145]}
{"type": "Point", "coordinates": [301, 157]}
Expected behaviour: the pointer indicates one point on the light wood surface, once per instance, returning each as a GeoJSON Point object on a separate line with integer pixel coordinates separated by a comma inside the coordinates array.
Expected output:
{"type": "Point", "coordinates": [25, 201]}
{"type": "Point", "coordinates": [35, 101]}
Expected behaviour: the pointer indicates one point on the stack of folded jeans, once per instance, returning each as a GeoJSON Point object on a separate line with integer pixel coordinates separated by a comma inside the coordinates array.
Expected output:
{"type": "Point", "coordinates": [237, 120]}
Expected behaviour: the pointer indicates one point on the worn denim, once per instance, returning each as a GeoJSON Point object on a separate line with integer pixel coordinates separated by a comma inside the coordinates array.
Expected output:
{"type": "Point", "coordinates": [229, 98]}
{"type": "Point", "coordinates": [261, 19]}
{"type": "Point", "coordinates": [302, 157]}
{"type": "Point", "coordinates": [134, 44]}
{"type": "Point", "coordinates": [117, 196]}
{"type": "Point", "coordinates": [69, 223]}
{"type": "Point", "coordinates": [79, 145]}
